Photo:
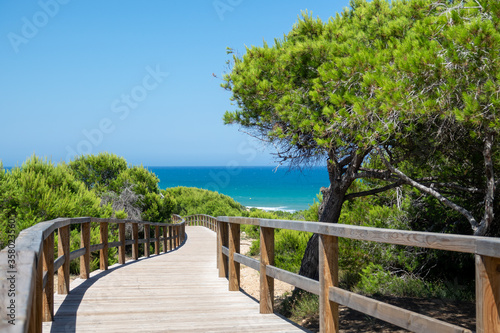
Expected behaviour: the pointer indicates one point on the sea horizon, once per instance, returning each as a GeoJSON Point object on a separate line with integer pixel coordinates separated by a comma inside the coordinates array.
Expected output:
{"type": "Point", "coordinates": [264, 187]}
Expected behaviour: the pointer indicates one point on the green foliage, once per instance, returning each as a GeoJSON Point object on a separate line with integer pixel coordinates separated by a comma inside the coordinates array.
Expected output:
{"type": "Point", "coordinates": [144, 180]}
{"type": "Point", "coordinates": [75, 244]}
{"type": "Point", "coordinates": [299, 305]}
{"type": "Point", "coordinates": [157, 207]}
{"type": "Point", "coordinates": [98, 171]}
{"type": "Point", "coordinates": [411, 83]}
{"type": "Point", "coordinates": [290, 246]}
{"type": "Point", "coordinates": [190, 201]}
{"type": "Point", "coordinates": [40, 191]}
{"type": "Point", "coordinates": [251, 231]}
{"type": "Point", "coordinates": [375, 280]}
{"type": "Point", "coordinates": [121, 214]}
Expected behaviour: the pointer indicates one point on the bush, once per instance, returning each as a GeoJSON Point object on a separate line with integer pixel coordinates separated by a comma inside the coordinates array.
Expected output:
{"type": "Point", "coordinates": [191, 200]}
{"type": "Point", "coordinates": [375, 280]}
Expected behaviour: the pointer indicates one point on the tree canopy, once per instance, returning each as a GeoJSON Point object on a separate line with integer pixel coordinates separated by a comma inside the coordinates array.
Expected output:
{"type": "Point", "coordinates": [400, 93]}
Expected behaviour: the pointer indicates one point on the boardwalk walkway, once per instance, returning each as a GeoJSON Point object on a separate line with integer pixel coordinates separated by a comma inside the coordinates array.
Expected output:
{"type": "Point", "coordinates": [175, 292]}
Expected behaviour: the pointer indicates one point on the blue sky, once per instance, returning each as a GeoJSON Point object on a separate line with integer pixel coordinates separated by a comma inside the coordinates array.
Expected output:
{"type": "Point", "coordinates": [134, 78]}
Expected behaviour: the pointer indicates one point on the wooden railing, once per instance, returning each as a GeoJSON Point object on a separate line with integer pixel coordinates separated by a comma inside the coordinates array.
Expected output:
{"type": "Point", "coordinates": [487, 258]}
{"type": "Point", "coordinates": [27, 265]}
{"type": "Point", "coordinates": [206, 221]}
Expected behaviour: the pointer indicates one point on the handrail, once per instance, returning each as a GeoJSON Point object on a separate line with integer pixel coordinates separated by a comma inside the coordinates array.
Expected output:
{"type": "Point", "coordinates": [487, 258]}
{"type": "Point", "coordinates": [28, 266]}
{"type": "Point", "coordinates": [203, 220]}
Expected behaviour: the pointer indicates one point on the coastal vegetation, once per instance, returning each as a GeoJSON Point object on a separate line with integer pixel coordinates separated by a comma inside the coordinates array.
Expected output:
{"type": "Point", "coordinates": [105, 185]}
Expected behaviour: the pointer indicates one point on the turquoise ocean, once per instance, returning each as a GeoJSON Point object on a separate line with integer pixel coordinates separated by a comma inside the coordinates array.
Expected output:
{"type": "Point", "coordinates": [261, 187]}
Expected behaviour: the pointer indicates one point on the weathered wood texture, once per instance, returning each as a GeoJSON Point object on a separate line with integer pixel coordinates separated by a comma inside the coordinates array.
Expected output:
{"type": "Point", "coordinates": [487, 294]}
{"type": "Point", "coordinates": [174, 292]}
{"type": "Point", "coordinates": [48, 266]}
{"type": "Point", "coordinates": [328, 277]}
{"type": "Point", "coordinates": [234, 267]}
{"type": "Point", "coordinates": [63, 250]}
{"type": "Point", "coordinates": [85, 243]}
{"type": "Point", "coordinates": [103, 253]}
{"type": "Point", "coordinates": [266, 258]}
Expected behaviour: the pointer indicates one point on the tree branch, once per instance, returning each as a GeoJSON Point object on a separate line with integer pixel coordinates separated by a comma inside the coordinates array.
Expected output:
{"type": "Point", "coordinates": [373, 191]}
{"type": "Point", "coordinates": [490, 185]}
{"type": "Point", "coordinates": [430, 191]}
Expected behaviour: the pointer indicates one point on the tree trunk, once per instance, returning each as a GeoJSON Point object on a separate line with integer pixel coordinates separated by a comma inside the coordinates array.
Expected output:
{"type": "Point", "coordinates": [329, 211]}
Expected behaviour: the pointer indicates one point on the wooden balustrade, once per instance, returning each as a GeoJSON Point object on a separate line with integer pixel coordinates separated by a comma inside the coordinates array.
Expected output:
{"type": "Point", "coordinates": [35, 266]}
{"type": "Point", "coordinates": [486, 250]}
{"type": "Point", "coordinates": [202, 220]}
{"type": "Point", "coordinates": [27, 296]}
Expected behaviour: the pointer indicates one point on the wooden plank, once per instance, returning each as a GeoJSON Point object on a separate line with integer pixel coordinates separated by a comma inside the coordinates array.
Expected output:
{"type": "Point", "coordinates": [296, 280]}
{"type": "Point", "coordinates": [50, 226]}
{"type": "Point", "coordinates": [328, 277]}
{"type": "Point", "coordinates": [121, 248]}
{"type": "Point", "coordinates": [85, 243]}
{"type": "Point", "coordinates": [239, 220]}
{"type": "Point", "coordinates": [406, 319]}
{"type": "Point", "coordinates": [247, 261]}
{"type": "Point", "coordinates": [76, 254]}
{"type": "Point", "coordinates": [223, 239]}
{"type": "Point", "coordinates": [48, 266]}
{"type": "Point", "coordinates": [487, 294]}
{"type": "Point", "coordinates": [234, 247]}
{"type": "Point", "coordinates": [183, 302]}
{"type": "Point", "coordinates": [448, 242]}
{"type": "Point", "coordinates": [488, 246]}
{"type": "Point", "coordinates": [266, 258]}
{"type": "Point", "coordinates": [135, 245]}
{"type": "Point", "coordinates": [114, 244]}
{"type": "Point", "coordinates": [58, 263]}
{"type": "Point", "coordinates": [103, 254]}
{"type": "Point", "coordinates": [37, 305]}
{"type": "Point", "coordinates": [96, 247]}
{"type": "Point", "coordinates": [63, 250]}
{"type": "Point", "coordinates": [19, 276]}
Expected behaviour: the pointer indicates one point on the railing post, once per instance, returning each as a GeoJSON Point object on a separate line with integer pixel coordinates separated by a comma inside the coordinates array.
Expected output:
{"type": "Point", "coordinates": [48, 266]}
{"type": "Point", "coordinates": [266, 258]}
{"type": "Point", "coordinates": [328, 277]}
{"type": "Point", "coordinates": [63, 250]}
{"type": "Point", "coordinates": [157, 241]}
{"type": "Point", "coordinates": [176, 232]}
{"type": "Point", "coordinates": [85, 243]}
{"type": "Point", "coordinates": [223, 269]}
{"type": "Point", "coordinates": [218, 246]}
{"type": "Point", "coordinates": [135, 237]}
{"type": "Point", "coordinates": [146, 236]}
{"type": "Point", "coordinates": [103, 253]}
{"type": "Point", "coordinates": [487, 294]}
{"type": "Point", "coordinates": [121, 248]}
{"type": "Point", "coordinates": [165, 238]}
{"type": "Point", "coordinates": [234, 247]}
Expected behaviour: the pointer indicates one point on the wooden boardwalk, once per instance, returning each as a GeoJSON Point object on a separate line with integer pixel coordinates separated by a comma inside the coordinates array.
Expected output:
{"type": "Point", "coordinates": [175, 292]}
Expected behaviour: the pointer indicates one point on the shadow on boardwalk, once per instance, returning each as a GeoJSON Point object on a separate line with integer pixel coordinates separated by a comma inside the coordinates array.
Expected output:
{"type": "Point", "coordinates": [175, 292]}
